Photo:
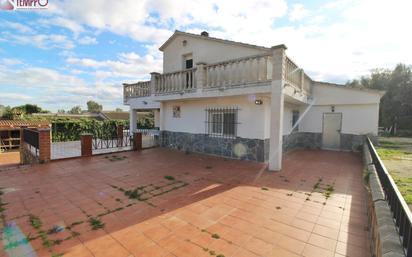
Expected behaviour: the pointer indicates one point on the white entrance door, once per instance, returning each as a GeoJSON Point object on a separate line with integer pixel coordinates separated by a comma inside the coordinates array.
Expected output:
{"type": "Point", "coordinates": [332, 124]}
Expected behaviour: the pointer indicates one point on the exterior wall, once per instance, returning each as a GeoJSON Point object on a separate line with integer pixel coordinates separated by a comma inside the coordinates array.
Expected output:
{"type": "Point", "coordinates": [238, 148]}
{"type": "Point", "coordinates": [356, 119]}
{"type": "Point", "coordinates": [251, 117]}
{"type": "Point", "coordinates": [360, 109]}
{"type": "Point", "coordinates": [202, 51]}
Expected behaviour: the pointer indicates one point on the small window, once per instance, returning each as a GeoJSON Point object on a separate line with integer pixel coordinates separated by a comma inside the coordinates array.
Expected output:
{"type": "Point", "coordinates": [189, 64]}
{"type": "Point", "coordinates": [295, 119]}
{"type": "Point", "coordinates": [221, 122]}
{"type": "Point", "coordinates": [176, 111]}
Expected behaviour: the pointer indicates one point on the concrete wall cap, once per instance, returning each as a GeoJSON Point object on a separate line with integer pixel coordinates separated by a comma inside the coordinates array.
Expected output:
{"type": "Point", "coordinates": [86, 134]}
{"type": "Point", "coordinates": [281, 46]}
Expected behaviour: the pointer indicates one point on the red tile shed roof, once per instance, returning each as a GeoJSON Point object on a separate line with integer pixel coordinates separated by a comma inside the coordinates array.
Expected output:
{"type": "Point", "coordinates": [5, 124]}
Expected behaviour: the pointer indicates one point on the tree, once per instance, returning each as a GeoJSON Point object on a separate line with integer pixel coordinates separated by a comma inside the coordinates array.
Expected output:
{"type": "Point", "coordinates": [396, 104]}
{"type": "Point", "coordinates": [94, 107]}
{"type": "Point", "coordinates": [76, 110]}
{"type": "Point", "coordinates": [62, 111]}
{"type": "Point", "coordinates": [27, 109]}
{"type": "Point", "coordinates": [119, 110]}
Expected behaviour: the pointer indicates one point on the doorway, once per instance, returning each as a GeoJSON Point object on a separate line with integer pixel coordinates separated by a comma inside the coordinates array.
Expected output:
{"type": "Point", "coordinates": [332, 125]}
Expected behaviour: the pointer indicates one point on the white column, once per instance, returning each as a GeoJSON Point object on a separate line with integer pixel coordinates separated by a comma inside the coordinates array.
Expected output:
{"type": "Point", "coordinates": [156, 118]}
{"type": "Point", "coordinates": [276, 108]}
{"type": "Point", "coordinates": [200, 76]}
{"type": "Point", "coordinates": [153, 82]}
{"type": "Point", "coordinates": [132, 120]}
{"type": "Point", "coordinates": [162, 116]}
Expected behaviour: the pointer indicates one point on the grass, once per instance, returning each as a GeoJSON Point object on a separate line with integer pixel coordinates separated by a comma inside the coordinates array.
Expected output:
{"type": "Point", "coordinates": [396, 153]}
{"type": "Point", "coordinates": [393, 154]}
{"type": "Point", "coordinates": [405, 187]}
{"type": "Point", "coordinates": [265, 188]}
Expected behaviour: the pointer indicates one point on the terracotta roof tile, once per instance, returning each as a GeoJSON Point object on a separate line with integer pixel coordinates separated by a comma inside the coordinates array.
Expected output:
{"type": "Point", "coordinates": [23, 123]}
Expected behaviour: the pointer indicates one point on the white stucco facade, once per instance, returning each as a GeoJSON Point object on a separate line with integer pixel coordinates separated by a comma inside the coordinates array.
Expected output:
{"type": "Point", "coordinates": [206, 51]}
{"type": "Point", "coordinates": [267, 89]}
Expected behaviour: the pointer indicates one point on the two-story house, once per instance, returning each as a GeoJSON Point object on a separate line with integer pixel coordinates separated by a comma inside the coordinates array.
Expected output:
{"type": "Point", "coordinates": [248, 102]}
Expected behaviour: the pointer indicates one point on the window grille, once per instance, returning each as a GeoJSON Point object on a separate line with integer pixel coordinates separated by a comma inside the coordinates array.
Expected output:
{"type": "Point", "coordinates": [222, 122]}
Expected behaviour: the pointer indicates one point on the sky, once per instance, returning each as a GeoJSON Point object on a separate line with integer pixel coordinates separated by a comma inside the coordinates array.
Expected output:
{"type": "Point", "coordinates": [80, 50]}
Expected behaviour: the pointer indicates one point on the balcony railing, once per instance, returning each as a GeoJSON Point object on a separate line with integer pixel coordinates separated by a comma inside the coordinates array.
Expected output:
{"type": "Point", "coordinates": [176, 82]}
{"type": "Point", "coordinates": [139, 89]}
{"type": "Point", "coordinates": [245, 71]}
{"type": "Point", "coordinates": [296, 77]}
{"type": "Point", "coordinates": [241, 71]}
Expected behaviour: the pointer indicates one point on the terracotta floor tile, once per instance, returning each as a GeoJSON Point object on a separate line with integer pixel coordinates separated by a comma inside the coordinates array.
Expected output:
{"type": "Point", "coordinates": [226, 198]}
{"type": "Point", "coordinates": [258, 246]}
{"type": "Point", "coordinates": [322, 242]}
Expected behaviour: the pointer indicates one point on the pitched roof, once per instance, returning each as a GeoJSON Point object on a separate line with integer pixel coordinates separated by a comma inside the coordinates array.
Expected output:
{"type": "Point", "coordinates": [225, 41]}
{"type": "Point", "coordinates": [5, 124]}
{"type": "Point", "coordinates": [116, 115]}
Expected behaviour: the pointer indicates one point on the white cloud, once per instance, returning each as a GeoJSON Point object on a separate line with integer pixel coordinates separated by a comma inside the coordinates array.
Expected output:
{"type": "Point", "coordinates": [15, 26]}
{"type": "Point", "coordinates": [298, 12]}
{"type": "Point", "coordinates": [69, 24]}
{"type": "Point", "coordinates": [128, 65]}
{"type": "Point", "coordinates": [10, 61]}
{"type": "Point", "coordinates": [86, 40]}
{"type": "Point", "coordinates": [16, 97]}
{"type": "Point", "coordinates": [43, 41]}
{"type": "Point", "coordinates": [57, 90]}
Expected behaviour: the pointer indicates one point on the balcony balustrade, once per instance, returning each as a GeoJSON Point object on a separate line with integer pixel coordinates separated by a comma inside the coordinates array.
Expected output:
{"type": "Point", "coordinates": [247, 71]}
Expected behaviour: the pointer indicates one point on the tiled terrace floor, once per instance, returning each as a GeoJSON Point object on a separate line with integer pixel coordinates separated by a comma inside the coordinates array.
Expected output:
{"type": "Point", "coordinates": [212, 207]}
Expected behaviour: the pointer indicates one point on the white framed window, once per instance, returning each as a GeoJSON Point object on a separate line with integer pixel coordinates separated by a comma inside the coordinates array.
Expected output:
{"type": "Point", "coordinates": [221, 122]}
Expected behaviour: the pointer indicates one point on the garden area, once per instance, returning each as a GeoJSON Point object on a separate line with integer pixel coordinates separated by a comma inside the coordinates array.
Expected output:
{"type": "Point", "coordinates": [396, 153]}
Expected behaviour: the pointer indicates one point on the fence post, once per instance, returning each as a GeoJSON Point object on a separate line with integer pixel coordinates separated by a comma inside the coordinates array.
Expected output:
{"type": "Point", "coordinates": [22, 158]}
{"type": "Point", "coordinates": [44, 145]}
{"type": "Point", "coordinates": [137, 141]}
{"type": "Point", "coordinates": [120, 135]}
{"type": "Point", "coordinates": [86, 144]}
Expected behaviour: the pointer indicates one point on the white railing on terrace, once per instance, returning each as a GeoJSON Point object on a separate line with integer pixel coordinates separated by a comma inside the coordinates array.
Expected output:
{"type": "Point", "coordinates": [307, 83]}
{"type": "Point", "coordinates": [240, 71]}
{"type": "Point", "coordinates": [245, 71]}
{"type": "Point", "coordinates": [292, 73]}
{"type": "Point", "coordinates": [139, 89]}
{"type": "Point", "coordinates": [296, 77]}
{"type": "Point", "coordinates": [176, 82]}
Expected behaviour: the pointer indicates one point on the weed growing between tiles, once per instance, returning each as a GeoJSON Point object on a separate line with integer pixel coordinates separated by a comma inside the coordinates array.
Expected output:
{"type": "Point", "coordinates": [96, 223]}
{"type": "Point", "coordinates": [214, 236]}
{"type": "Point", "coordinates": [325, 189]}
{"type": "Point", "coordinates": [114, 158]}
{"type": "Point", "coordinates": [147, 192]}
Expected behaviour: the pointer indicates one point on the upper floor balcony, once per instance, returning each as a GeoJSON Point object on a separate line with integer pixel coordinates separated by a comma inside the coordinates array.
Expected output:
{"type": "Point", "coordinates": [253, 71]}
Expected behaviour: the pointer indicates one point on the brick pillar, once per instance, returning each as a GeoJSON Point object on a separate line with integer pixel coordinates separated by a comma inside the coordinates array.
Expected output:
{"type": "Point", "coordinates": [44, 145]}
{"type": "Point", "coordinates": [120, 135]}
{"type": "Point", "coordinates": [22, 158]}
{"type": "Point", "coordinates": [137, 141]}
{"type": "Point", "coordinates": [86, 144]}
